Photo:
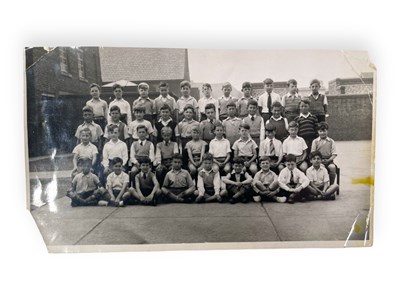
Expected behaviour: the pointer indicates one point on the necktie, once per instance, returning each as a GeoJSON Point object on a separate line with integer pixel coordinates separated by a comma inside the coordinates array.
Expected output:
{"type": "Point", "coordinates": [144, 175]}
{"type": "Point", "coordinates": [269, 102]}
{"type": "Point", "coordinates": [271, 148]}
{"type": "Point", "coordinates": [291, 178]}
{"type": "Point", "coordinates": [141, 143]}
{"type": "Point", "coordinates": [252, 118]}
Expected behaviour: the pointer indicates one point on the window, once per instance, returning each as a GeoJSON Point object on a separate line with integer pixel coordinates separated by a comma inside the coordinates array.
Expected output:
{"type": "Point", "coordinates": [81, 65]}
{"type": "Point", "coordinates": [63, 60]}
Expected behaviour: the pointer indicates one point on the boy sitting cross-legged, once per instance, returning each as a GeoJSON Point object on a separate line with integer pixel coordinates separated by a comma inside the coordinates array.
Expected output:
{"type": "Point", "coordinates": [147, 189]}
{"type": "Point", "coordinates": [117, 183]}
{"type": "Point", "coordinates": [319, 186]}
{"type": "Point", "coordinates": [237, 183]}
{"type": "Point", "coordinates": [86, 187]}
{"type": "Point", "coordinates": [292, 181]}
{"type": "Point", "coordinates": [208, 182]}
{"type": "Point", "coordinates": [265, 183]}
{"type": "Point", "coordinates": [178, 185]}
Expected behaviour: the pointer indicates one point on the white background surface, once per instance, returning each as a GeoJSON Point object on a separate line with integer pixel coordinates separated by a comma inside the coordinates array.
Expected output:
{"type": "Point", "coordinates": [26, 268]}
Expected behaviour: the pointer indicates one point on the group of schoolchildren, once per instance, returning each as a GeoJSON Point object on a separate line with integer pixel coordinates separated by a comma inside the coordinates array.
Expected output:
{"type": "Point", "coordinates": [187, 150]}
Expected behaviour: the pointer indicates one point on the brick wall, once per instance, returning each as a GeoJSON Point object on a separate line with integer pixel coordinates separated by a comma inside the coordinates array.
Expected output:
{"type": "Point", "coordinates": [350, 117]}
{"type": "Point", "coordinates": [46, 85]}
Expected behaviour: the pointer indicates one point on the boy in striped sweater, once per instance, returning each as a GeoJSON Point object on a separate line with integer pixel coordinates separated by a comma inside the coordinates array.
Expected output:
{"type": "Point", "coordinates": [307, 124]}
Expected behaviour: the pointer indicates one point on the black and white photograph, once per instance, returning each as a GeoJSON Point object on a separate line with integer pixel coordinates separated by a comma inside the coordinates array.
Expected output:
{"type": "Point", "coordinates": [136, 149]}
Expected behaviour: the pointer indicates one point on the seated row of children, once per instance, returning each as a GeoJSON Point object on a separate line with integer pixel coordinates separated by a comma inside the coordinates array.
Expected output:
{"type": "Point", "coordinates": [290, 186]}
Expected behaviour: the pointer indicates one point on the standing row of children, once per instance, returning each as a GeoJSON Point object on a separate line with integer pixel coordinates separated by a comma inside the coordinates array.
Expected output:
{"type": "Point", "coordinates": [202, 136]}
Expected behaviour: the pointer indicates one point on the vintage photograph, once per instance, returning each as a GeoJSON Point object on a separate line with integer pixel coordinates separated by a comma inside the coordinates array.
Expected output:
{"type": "Point", "coordinates": [134, 149]}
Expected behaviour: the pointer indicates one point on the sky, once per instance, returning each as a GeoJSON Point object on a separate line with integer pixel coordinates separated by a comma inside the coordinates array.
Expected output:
{"type": "Point", "coordinates": [237, 66]}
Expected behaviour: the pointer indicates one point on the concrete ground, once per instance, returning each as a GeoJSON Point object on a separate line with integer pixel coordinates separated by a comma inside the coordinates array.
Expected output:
{"type": "Point", "coordinates": [340, 220]}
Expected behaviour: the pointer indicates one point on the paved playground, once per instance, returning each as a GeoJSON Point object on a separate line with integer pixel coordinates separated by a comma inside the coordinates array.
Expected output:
{"type": "Point", "coordinates": [339, 220]}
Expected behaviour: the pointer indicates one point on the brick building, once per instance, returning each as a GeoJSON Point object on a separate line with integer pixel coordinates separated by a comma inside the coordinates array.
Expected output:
{"type": "Point", "coordinates": [150, 65]}
{"type": "Point", "coordinates": [57, 82]}
{"type": "Point", "coordinates": [352, 86]}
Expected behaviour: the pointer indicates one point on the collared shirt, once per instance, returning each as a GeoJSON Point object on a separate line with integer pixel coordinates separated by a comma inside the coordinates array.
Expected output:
{"type": "Point", "coordinates": [264, 177]}
{"type": "Point", "coordinates": [265, 148]}
{"type": "Point", "coordinates": [125, 129]}
{"type": "Point", "coordinates": [182, 102]}
{"type": "Point", "coordinates": [326, 146]}
{"type": "Point", "coordinates": [178, 179]}
{"type": "Point", "coordinates": [159, 155]}
{"type": "Point", "coordinates": [100, 107]}
{"type": "Point", "coordinates": [222, 102]}
{"type": "Point", "coordinates": [208, 178]}
{"type": "Point", "coordinates": [85, 183]}
{"type": "Point", "coordinates": [244, 148]}
{"type": "Point", "coordinates": [88, 150]}
{"type": "Point", "coordinates": [185, 128]}
{"type": "Point", "coordinates": [125, 108]}
{"type": "Point", "coordinates": [220, 148]}
{"type": "Point", "coordinates": [116, 182]}
{"type": "Point", "coordinates": [305, 116]}
{"type": "Point", "coordinates": [204, 101]}
{"type": "Point", "coordinates": [231, 126]}
{"type": "Point", "coordinates": [115, 149]}
{"type": "Point", "coordinates": [294, 146]}
{"type": "Point", "coordinates": [147, 103]}
{"type": "Point", "coordinates": [95, 130]}
{"type": "Point", "coordinates": [298, 177]}
{"type": "Point", "coordinates": [318, 176]}
{"type": "Point", "coordinates": [134, 124]}
{"type": "Point", "coordinates": [139, 145]}
{"type": "Point", "coordinates": [263, 101]}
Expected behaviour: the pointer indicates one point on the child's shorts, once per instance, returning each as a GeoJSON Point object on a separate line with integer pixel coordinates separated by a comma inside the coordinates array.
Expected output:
{"type": "Point", "coordinates": [177, 191]}
{"type": "Point", "coordinates": [220, 159]}
{"type": "Point", "coordinates": [233, 189]}
{"type": "Point", "coordinates": [209, 191]}
{"type": "Point", "coordinates": [146, 192]}
{"type": "Point", "coordinates": [116, 192]}
{"type": "Point", "coordinates": [85, 195]}
{"type": "Point", "coordinates": [102, 121]}
{"type": "Point", "coordinates": [196, 157]}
